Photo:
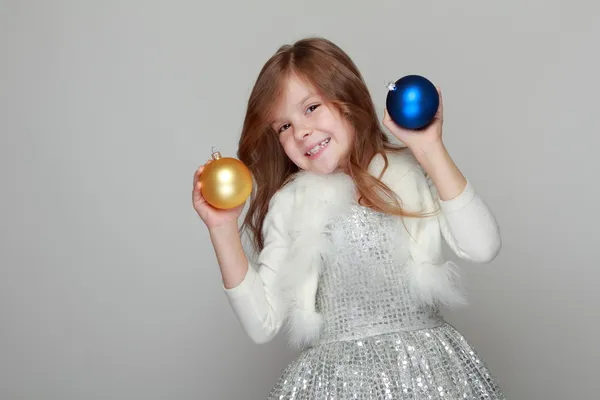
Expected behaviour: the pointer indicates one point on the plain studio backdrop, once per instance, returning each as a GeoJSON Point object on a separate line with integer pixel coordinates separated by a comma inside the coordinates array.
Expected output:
{"type": "Point", "coordinates": [109, 287]}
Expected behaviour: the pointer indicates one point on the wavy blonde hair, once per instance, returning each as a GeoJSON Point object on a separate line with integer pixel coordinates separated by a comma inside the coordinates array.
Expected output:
{"type": "Point", "coordinates": [330, 70]}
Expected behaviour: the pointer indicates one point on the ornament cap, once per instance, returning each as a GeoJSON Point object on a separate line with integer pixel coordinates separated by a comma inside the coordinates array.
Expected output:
{"type": "Point", "coordinates": [391, 86]}
{"type": "Point", "coordinates": [215, 154]}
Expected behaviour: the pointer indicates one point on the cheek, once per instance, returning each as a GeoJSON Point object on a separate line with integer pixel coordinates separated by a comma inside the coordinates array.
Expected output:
{"type": "Point", "coordinates": [350, 136]}
{"type": "Point", "coordinates": [284, 140]}
{"type": "Point", "coordinates": [288, 145]}
{"type": "Point", "coordinates": [343, 133]}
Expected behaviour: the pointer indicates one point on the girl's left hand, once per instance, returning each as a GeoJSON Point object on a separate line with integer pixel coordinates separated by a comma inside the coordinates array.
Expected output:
{"type": "Point", "coordinates": [418, 140]}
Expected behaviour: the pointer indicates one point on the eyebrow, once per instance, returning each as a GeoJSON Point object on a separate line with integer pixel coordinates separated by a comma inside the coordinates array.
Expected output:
{"type": "Point", "coordinates": [306, 98]}
{"type": "Point", "coordinates": [299, 103]}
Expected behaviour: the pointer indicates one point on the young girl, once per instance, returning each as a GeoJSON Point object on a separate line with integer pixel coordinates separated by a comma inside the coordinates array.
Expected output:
{"type": "Point", "coordinates": [349, 231]}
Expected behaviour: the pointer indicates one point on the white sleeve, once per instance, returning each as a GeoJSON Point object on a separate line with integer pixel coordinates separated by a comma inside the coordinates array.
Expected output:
{"type": "Point", "coordinates": [257, 301]}
{"type": "Point", "coordinates": [469, 226]}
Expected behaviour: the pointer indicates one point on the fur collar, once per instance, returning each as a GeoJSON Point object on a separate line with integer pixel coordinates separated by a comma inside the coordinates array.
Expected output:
{"type": "Point", "coordinates": [307, 204]}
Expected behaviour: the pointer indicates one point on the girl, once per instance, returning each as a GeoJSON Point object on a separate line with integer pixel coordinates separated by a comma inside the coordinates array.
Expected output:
{"type": "Point", "coordinates": [349, 228]}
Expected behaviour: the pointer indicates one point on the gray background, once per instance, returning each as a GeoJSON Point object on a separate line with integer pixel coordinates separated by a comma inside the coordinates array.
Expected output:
{"type": "Point", "coordinates": [109, 287]}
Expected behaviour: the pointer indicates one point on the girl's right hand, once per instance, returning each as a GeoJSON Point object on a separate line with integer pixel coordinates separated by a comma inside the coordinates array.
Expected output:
{"type": "Point", "coordinates": [212, 217]}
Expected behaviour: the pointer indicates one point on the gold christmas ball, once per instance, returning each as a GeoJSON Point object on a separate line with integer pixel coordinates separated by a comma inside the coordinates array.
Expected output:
{"type": "Point", "coordinates": [225, 182]}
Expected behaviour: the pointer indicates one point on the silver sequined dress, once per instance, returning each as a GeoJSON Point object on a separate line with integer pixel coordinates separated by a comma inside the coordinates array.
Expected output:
{"type": "Point", "coordinates": [376, 342]}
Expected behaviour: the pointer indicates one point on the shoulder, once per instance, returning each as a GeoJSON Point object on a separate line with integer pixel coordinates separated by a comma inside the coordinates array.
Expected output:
{"type": "Point", "coordinates": [306, 189]}
{"type": "Point", "coordinates": [399, 164]}
{"type": "Point", "coordinates": [308, 200]}
{"type": "Point", "coordinates": [402, 168]}
{"type": "Point", "coordinates": [406, 177]}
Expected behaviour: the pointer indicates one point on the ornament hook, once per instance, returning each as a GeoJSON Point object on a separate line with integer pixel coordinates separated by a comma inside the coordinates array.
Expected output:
{"type": "Point", "coordinates": [215, 154]}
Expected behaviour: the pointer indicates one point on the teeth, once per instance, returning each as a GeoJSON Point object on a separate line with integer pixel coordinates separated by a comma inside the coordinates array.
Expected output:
{"type": "Point", "coordinates": [318, 147]}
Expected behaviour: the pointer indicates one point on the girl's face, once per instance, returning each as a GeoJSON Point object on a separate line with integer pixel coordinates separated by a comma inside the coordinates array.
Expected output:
{"type": "Point", "coordinates": [314, 135]}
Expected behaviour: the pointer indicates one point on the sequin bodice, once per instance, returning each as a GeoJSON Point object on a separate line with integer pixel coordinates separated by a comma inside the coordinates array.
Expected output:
{"type": "Point", "coordinates": [361, 292]}
{"type": "Point", "coordinates": [376, 341]}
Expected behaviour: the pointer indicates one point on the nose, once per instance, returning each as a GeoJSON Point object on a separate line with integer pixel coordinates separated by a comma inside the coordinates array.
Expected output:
{"type": "Point", "coordinates": [303, 132]}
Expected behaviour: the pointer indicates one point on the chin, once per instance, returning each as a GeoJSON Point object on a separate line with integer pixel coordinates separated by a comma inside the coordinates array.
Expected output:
{"type": "Point", "coordinates": [324, 168]}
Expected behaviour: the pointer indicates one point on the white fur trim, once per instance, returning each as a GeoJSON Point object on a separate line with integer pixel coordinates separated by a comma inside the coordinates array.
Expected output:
{"type": "Point", "coordinates": [304, 327]}
{"type": "Point", "coordinates": [434, 284]}
{"type": "Point", "coordinates": [315, 199]}
{"type": "Point", "coordinates": [311, 201]}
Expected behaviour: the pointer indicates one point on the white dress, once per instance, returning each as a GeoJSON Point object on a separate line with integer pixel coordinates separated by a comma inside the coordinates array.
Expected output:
{"type": "Point", "coordinates": [376, 341]}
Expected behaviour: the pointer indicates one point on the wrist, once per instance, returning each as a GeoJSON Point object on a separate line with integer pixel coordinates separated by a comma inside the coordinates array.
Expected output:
{"type": "Point", "coordinates": [439, 166]}
{"type": "Point", "coordinates": [431, 152]}
{"type": "Point", "coordinates": [224, 229]}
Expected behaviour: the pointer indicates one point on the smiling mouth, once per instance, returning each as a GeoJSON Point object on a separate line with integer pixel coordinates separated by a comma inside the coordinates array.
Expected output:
{"type": "Point", "coordinates": [318, 148]}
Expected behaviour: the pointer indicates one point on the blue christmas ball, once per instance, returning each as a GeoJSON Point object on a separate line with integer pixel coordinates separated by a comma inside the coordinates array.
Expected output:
{"type": "Point", "coordinates": [412, 101]}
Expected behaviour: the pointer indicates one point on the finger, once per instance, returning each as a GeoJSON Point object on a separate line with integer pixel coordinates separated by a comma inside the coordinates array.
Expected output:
{"type": "Point", "coordinates": [387, 120]}
{"type": "Point", "coordinates": [198, 173]}
{"type": "Point", "coordinates": [390, 124]}
{"type": "Point", "coordinates": [196, 189]}
{"type": "Point", "coordinates": [386, 115]}
{"type": "Point", "coordinates": [440, 110]}
{"type": "Point", "coordinates": [197, 197]}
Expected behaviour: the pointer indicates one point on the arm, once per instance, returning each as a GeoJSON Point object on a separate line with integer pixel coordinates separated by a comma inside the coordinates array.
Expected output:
{"type": "Point", "coordinates": [467, 223]}
{"type": "Point", "coordinates": [252, 289]}
{"type": "Point", "coordinates": [230, 254]}
{"type": "Point", "coordinates": [441, 169]}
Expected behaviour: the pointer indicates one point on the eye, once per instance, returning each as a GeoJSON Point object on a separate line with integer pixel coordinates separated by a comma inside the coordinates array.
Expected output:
{"type": "Point", "coordinates": [312, 108]}
{"type": "Point", "coordinates": [283, 128]}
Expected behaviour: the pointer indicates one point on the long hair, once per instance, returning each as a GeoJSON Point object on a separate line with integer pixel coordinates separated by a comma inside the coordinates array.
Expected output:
{"type": "Point", "coordinates": [330, 70]}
